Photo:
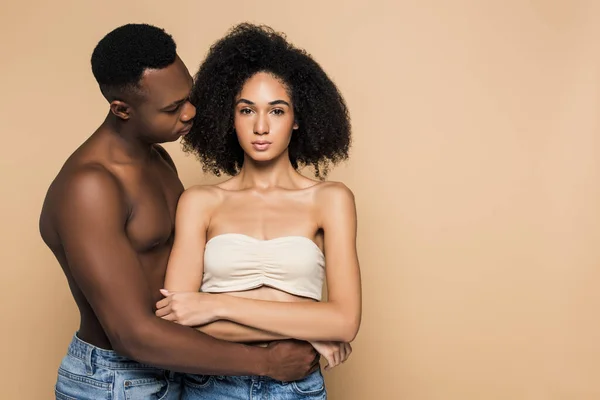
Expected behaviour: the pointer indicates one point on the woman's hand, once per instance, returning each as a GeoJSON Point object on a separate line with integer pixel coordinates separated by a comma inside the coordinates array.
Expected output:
{"type": "Point", "coordinates": [187, 308]}
{"type": "Point", "coordinates": [334, 352]}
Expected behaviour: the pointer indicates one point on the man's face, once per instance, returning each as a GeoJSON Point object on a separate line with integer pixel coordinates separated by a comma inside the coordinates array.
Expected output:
{"type": "Point", "coordinates": [164, 113]}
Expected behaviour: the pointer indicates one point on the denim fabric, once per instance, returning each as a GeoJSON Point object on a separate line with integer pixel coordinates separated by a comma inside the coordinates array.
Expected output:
{"type": "Point", "coordinates": [90, 373]}
{"type": "Point", "coordinates": [196, 387]}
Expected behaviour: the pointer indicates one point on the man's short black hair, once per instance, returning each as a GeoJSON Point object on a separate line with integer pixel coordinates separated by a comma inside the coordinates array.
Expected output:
{"type": "Point", "coordinates": [122, 56]}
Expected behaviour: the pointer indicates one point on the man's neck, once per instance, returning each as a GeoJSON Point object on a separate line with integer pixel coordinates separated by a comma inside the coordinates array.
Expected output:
{"type": "Point", "coordinates": [125, 145]}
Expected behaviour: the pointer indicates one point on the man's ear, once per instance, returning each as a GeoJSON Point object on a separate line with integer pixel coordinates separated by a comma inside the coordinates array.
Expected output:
{"type": "Point", "coordinates": [120, 109]}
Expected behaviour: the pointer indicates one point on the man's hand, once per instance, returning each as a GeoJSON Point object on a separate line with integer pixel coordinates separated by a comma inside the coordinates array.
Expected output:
{"type": "Point", "coordinates": [335, 353]}
{"type": "Point", "coordinates": [291, 360]}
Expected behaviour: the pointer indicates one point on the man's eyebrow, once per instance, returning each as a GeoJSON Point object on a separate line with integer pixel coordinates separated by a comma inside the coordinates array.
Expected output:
{"type": "Point", "coordinates": [175, 103]}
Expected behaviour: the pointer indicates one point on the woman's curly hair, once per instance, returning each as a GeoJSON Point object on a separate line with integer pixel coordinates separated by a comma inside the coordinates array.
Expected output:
{"type": "Point", "coordinates": [323, 134]}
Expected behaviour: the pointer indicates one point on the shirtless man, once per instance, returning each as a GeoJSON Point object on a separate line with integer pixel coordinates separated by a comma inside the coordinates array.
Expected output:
{"type": "Point", "coordinates": [108, 217]}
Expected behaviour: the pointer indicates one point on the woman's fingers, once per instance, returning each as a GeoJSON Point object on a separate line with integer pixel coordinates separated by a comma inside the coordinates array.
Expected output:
{"type": "Point", "coordinates": [348, 351]}
{"type": "Point", "coordinates": [161, 312]}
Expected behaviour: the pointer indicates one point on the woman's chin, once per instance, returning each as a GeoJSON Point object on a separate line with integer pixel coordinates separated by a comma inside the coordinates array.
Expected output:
{"type": "Point", "coordinates": [264, 157]}
{"type": "Point", "coordinates": [261, 157]}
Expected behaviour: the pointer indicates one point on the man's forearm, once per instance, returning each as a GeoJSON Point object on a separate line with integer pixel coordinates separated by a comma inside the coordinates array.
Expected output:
{"type": "Point", "coordinates": [170, 346]}
{"type": "Point", "coordinates": [233, 332]}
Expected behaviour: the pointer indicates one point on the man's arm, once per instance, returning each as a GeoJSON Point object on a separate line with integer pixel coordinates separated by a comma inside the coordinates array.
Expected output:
{"type": "Point", "coordinates": [91, 219]}
{"type": "Point", "coordinates": [334, 352]}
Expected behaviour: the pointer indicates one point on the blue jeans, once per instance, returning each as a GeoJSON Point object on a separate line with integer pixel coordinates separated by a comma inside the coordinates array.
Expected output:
{"type": "Point", "coordinates": [90, 373]}
{"type": "Point", "coordinates": [196, 387]}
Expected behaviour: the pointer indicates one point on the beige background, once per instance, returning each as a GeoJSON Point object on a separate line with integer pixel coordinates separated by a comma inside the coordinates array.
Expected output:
{"type": "Point", "coordinates": [476, 168]}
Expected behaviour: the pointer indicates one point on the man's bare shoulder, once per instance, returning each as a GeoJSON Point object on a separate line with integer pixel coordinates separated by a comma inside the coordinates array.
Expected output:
{"type": "Point", "coordinates": [84, 185]}
{"type": "Point", "coordinates": [77, 190]}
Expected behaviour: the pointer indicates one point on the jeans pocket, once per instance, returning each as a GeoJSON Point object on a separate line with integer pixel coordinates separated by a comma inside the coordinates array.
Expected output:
{"type": "Point", "coordinates": [60, 396]}
{"type": "Point", "coordinates": [197, 381]}
{"type": "Point", "coordinates": [148, 388]}
{"type": "Point", "coordinates": [313, 384]}
{"type": "Point", "coordinates": [71, 385]}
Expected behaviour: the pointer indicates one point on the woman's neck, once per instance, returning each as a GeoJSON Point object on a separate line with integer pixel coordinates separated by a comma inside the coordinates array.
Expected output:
{"type": "Point", "coordinates": [268, 175]}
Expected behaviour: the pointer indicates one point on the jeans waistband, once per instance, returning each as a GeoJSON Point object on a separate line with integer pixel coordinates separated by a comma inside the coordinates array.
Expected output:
{"type": "Point", "coordinates": [95, 356]}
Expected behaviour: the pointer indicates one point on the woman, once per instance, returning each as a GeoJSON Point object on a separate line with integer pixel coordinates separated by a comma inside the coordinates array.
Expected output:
{"type": "Point", "coordinates": [257, 244]}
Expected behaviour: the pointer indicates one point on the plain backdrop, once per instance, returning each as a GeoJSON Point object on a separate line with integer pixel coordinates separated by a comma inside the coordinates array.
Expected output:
{"type": "Point", "coordinates": [475, 166]}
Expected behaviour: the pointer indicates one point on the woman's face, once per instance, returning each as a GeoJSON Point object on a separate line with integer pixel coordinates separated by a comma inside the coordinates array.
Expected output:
{"type": "Point", "coordinates": [264, 117]}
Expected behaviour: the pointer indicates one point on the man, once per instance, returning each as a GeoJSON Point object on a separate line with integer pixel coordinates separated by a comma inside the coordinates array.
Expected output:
{"type": "Point", "coordinates": [108, 217]}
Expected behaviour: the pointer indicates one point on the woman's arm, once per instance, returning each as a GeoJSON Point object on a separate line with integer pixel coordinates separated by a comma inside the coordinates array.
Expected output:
{"type": "Point", "coordinates": [186, 262]}
{"type": "Point", "coordinates": [233, 332]}
{"type": "Point", "coordinates": [338, 319]}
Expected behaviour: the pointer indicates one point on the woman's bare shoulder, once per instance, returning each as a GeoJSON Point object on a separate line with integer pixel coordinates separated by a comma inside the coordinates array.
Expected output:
{"type": "Point", "coordinates": [333, 190]}
{"type": "Point", "coordinates": [204, 194]}
{"type": "Point", "coordinates": [333, 200]}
